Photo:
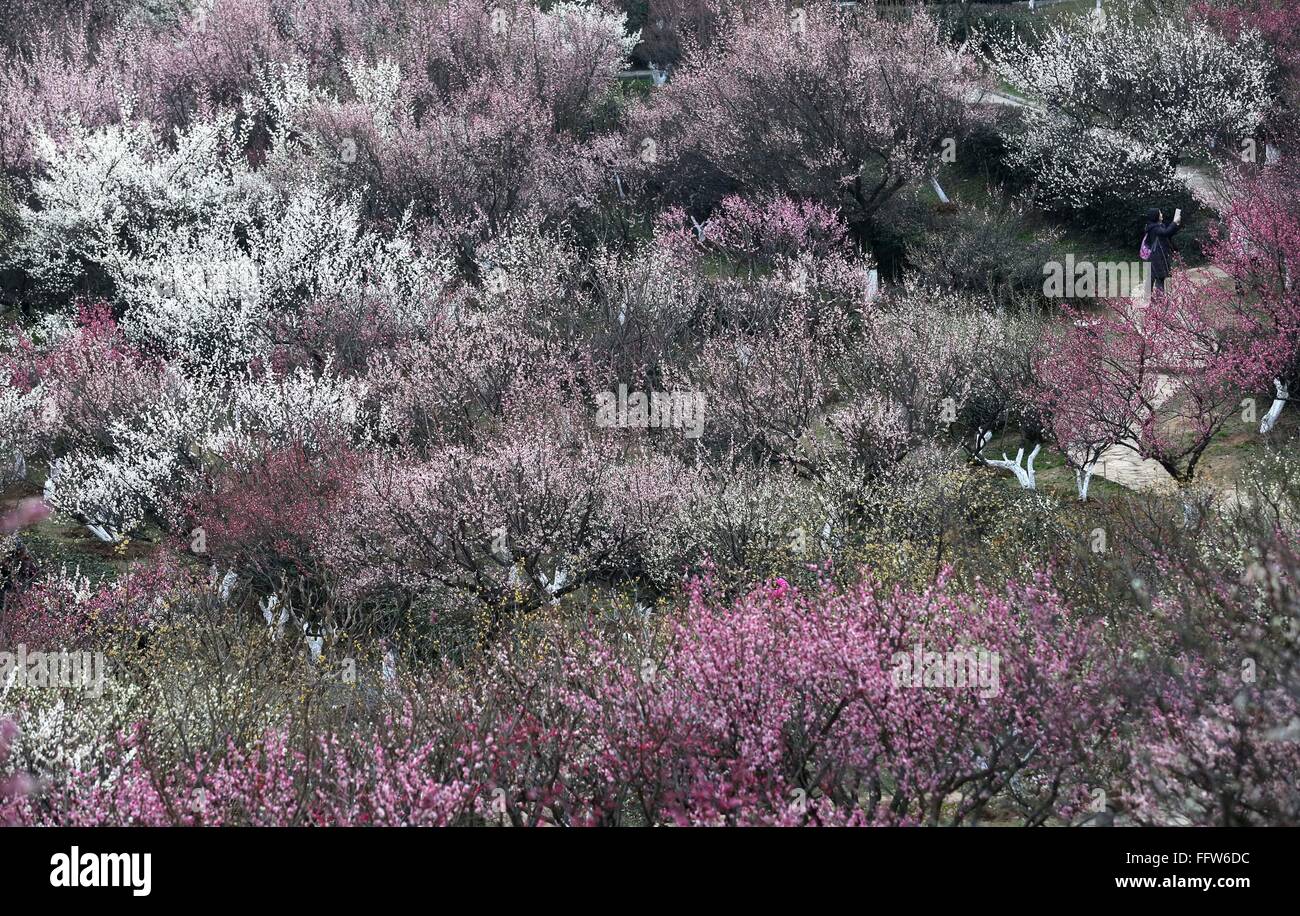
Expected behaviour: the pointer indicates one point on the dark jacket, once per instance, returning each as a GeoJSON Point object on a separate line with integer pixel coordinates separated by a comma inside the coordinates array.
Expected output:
{"type": "Point", "coordinates": [1158, 235]}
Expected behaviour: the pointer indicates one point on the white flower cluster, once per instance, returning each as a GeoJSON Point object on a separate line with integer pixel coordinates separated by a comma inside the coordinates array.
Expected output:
{"type": "Point", "coordinates": [202, 250]}
{"type": "Point", "coordinates": [154, 456]}
{"type": "Point", "coordinates": [210, 264]}
{"type": "Point", "coordinates": [297, 406]}
{"type": "Point", "coordinates": [18, 436]}
{"type": "Point", "coordinates": [1116, 96]}
{"type": "Point", "coordinates": [1076, 168]}
{"type": "Point", "coordinates": [377, 88]}
{"type": "Point", "coordinates": [148, 458]}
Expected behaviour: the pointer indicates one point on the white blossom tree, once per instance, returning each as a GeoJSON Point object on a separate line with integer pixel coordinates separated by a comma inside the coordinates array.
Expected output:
{"type": "Point", "coordinates": [1122, 100]}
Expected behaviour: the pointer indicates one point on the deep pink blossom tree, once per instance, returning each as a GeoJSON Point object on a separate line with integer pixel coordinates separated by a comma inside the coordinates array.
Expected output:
{"type": "Point", "coordinates": [863, 706]}
{"type": "Point", "coordinates": [1259, 251]}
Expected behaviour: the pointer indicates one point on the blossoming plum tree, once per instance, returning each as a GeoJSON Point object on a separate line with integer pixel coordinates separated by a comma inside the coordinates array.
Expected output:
{"type": "Point", "coordinates": [1116, 104]}
{"type": "Point", "coordinates": [1158, 377]}
{"type": "Point", "coordinates": [1260, 254]}
{"type": "Point", "coordinates": [854, 107]}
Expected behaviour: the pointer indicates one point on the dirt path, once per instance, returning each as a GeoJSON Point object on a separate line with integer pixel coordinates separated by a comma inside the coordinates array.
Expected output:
{"type": "Point", "coordinates": [1204, 187]}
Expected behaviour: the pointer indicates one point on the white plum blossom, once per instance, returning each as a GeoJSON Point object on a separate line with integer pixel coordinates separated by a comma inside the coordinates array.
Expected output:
{"type": "Point", "coordinates": [202, 252]}
{"type": "Point", "coordinates": [1122, 99]}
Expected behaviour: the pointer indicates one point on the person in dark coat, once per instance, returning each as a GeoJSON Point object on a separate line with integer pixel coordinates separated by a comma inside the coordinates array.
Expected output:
{"type": "Point", "coordinates": [1158, 233]}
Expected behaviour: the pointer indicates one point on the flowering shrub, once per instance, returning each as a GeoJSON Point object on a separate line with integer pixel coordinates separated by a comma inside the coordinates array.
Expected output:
{"type": "Point", "coordinates": [13, 786]}
{"type": "Point", "coordinates": [1276, 22]}
{"type": "Point", "coordinates": [785, 708]}
{"type": "Point", "coordinates": [1219, 729]}
{"type": "Point", "coordinates": [1091, 171]}
{"type": "Point", "coordinates": [520, 519]}
{"type": "Point", "coordinates": [1118, 101]}
{"type": "Point", "coordinates": [1182, 84]}
{"type": "Point", "coordinates": [484, 111]}
{"type": "Point", "coordinates": [267, 513]}
{"type": "Point", "coordinates": [198, 252]}
{"type": "Point", "coordinates": [64, 608]}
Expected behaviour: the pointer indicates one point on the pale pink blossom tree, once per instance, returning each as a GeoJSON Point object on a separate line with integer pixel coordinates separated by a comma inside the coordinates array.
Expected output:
{"type": "Point", "coordinates": [843, 107]}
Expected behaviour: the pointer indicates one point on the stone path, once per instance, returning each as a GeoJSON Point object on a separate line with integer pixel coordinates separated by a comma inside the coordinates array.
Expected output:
{"type": "Point", "coordinates": [1120, 464]}
{"type": "Point", "coordinates": [1127, 468]}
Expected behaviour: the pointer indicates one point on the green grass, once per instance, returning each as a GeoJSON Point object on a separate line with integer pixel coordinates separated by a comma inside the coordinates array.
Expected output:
{"type": "Point", "coordinates": [63, 541]}
{"type": "Point", "coordinates": [969, 190]}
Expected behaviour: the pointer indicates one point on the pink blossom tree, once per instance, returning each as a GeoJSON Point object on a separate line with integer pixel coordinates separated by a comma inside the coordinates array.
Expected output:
{"type": "Point", "coordinates": [1259, 251]}
{"type": "Point", "coordinates": [853, 108]}
{"type": "Point", "coordinates": [1159, 378]}
{"type": "Point", "coordinates": [27, 512]}
{"type": "Point", "coordinates": [522, 516]}
{"type": "Point", "coordinates": [858, 707]}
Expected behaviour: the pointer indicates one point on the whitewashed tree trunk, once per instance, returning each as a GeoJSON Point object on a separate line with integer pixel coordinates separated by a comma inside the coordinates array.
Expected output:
{"type": "Point", "coordinates": [274, 622]}
{"type": "Point", "coordinates": [104, 533]}
{"type": "Point", "coordinates": [1022, 469]}
{"type": "Point", "coordinates": [1024, 474]}
{"type": "Point", "coordinates": [553, 585]}
{"type": "Point", "coordinates": [315, 642]}
{"type": "Point", "coordinates": [227, 586]}
{"type": "Point", "coordinates": [1274, 411]}
{"type": "Point", "coordinates": [1083, 479]}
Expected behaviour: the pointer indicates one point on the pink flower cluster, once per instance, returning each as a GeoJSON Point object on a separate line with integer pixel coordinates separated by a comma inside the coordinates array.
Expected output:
{"type": "Point", "coordinates": [782, 708]}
